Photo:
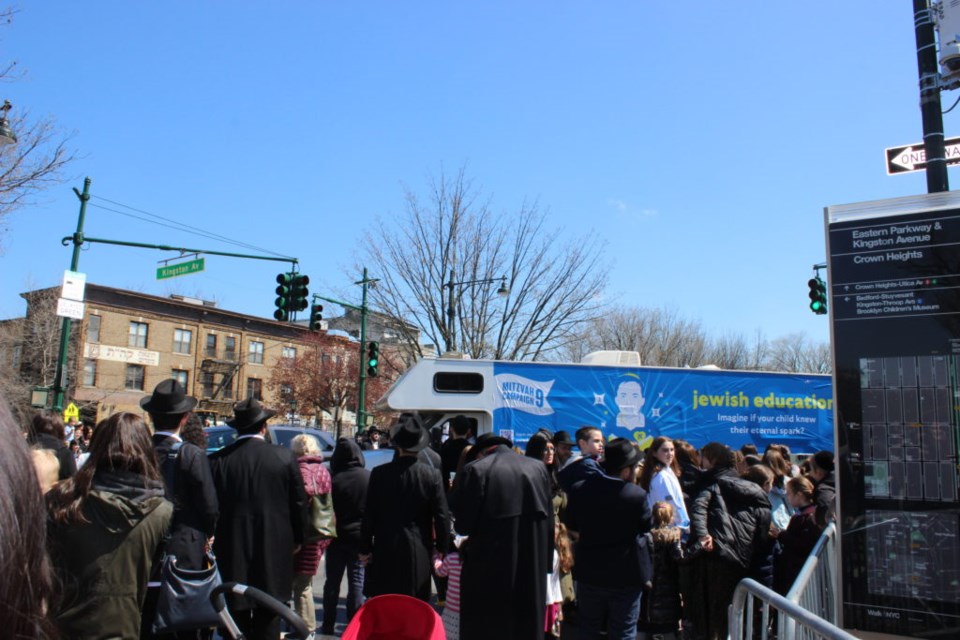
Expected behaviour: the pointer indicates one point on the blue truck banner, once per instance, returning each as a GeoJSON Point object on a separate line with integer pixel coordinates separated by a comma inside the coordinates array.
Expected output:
{"type": "Point", "coordinates": [700, 406]}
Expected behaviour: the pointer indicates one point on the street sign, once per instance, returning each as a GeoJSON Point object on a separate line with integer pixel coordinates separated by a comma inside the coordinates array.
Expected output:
{"type": "Point", "coordinates": [181, 269]}
{"type": "Point", "coordinates": [69, 309]}
{"type": "Point", "coordinates": [71, 412]}
{"type": "Point", "coordinates": [912, 157]}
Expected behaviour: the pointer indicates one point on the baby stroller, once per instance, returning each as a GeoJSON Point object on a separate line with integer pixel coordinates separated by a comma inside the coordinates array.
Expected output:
{"type": "Point", "coordinates": [261, 599]}
{"type": "Point", "coordinates": [395, 617]}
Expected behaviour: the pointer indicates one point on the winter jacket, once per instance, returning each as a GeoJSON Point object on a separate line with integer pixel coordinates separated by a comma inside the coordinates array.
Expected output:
{"type": "Point", "coordinates": [103, 565]}
{"type": "Point", "coordinates": [661, 608]}
{"type": "Point", "coordinates": [825, 497]}
{"type": "Point", "coordinates": [350, 480]}
{"type": "Point", "coordinates": [796, 543]}
{"type": "Point", "coordinates": [735, 512]}
{"type": "Point", "coordinates": [316, 482]}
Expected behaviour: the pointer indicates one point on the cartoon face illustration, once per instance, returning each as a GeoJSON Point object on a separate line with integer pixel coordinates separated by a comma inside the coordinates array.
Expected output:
{"type": "Point", "coordinates": [629, 402]}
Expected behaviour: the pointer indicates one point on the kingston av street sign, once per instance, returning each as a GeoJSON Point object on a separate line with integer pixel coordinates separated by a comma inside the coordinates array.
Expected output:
{"type": "Point", "coordinates": [180, 269]}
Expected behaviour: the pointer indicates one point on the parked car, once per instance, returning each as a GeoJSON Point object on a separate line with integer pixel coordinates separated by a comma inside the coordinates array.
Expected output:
{"type": "Point", "coordinates": [283, 435]}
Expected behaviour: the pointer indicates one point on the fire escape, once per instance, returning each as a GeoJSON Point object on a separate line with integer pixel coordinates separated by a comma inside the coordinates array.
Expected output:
{"type": "Point", "coordinates": [217, 373]}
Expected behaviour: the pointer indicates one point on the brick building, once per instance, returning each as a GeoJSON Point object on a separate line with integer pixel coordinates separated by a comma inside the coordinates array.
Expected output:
{"type": "Point", "coordinates": [127, 342]}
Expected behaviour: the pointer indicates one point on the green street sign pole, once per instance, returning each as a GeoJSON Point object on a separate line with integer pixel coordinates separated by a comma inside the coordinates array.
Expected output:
{"type": "Point", "coordinates": [77, 239]}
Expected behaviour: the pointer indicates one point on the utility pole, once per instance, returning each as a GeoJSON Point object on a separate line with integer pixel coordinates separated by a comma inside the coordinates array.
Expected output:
{"type": "Point", "coordinates": [930, 109]}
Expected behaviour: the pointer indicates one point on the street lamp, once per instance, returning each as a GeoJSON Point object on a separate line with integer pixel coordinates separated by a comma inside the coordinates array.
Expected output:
{"type": "Point", "coordinates": [7, 136]}
{"type": "Point", "coordinates": [503, 291]}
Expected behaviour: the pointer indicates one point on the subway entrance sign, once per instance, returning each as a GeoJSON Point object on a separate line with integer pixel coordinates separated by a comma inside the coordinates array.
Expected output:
{"type": "Point", "coordinates": [912, 157]}
{"type": "Point", "coordinates": [180, 269]}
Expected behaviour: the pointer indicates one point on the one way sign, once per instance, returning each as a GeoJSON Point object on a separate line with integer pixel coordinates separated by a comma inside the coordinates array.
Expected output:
{"type": "Point", "coordinates": [913, 158]}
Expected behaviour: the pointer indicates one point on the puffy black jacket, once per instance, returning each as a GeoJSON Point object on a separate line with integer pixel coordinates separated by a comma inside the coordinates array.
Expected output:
{"type": "Point", "coordinates": [661, 608]}
{"type": "Point", "coordinates": [734, 512]}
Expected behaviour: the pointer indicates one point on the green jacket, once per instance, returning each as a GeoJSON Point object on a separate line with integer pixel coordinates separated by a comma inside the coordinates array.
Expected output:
{"type": "Point", "coordinates": [103, 566]}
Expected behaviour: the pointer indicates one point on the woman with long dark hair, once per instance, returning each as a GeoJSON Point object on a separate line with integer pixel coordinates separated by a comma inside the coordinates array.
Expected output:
{"type": "Point", "coordinates": [104, 527]}
{"type": "Point", "coordinates": [660, 478]}
{"type": "Point", "coordinates": [26, 588]}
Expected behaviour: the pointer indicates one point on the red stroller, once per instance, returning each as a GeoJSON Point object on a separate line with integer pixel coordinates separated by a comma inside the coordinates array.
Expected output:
{"type": "Point", "coordinates": [395, 617]}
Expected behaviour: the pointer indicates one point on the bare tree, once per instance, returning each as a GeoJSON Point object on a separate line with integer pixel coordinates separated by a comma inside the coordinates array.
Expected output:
{"type": "Point", "coordinates": [440, 268]}
{"type": "Point", "coordinates": [36, 160]}
{"type": "Point", "coordinates": [795, 353]}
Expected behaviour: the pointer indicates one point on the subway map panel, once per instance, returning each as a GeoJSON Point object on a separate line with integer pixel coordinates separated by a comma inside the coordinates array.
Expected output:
{"type": "Point", "coordinates": [914, 555]}
{"type": "Point", "coordinates": [910, 432]}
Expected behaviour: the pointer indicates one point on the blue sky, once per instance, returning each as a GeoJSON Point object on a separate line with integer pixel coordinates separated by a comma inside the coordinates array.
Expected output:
{"type": "Point", "coordinates": [700, 140]}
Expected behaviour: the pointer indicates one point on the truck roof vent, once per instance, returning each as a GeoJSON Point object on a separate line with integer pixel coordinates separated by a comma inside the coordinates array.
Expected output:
{"type": "Point", "coordinates": [621, 358]}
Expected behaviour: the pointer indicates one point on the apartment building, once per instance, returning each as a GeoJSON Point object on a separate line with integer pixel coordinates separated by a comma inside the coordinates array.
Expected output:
{"type": "Point", "coordinates": [127, 342]}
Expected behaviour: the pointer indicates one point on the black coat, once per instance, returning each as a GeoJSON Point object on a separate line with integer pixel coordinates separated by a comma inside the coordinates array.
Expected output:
{"type": "Point", "coordinates": [350, 481]}
{"type": "Point", "coordinates": [263, 508]}
{"type": "Point", "coordinates": [661, 608]}
{"type": "Point", "coordinates": [504, 507]}
{"type": "Point", "coordinates": [825, 497]}
{"type": "Point", "coordinates": [796, 543]}
{"type": "Point", "coordinates": [194, 499]}
{"type": "Point", "coordinates": [406, 506]}
{"type": "Point", "coordinates": [735, 512]}
{"type": "Point", "coordinates": [611, 515]}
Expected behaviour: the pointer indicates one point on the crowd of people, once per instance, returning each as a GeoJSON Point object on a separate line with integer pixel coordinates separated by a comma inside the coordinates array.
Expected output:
{"type": "Point", "coordinates": [572, 536]}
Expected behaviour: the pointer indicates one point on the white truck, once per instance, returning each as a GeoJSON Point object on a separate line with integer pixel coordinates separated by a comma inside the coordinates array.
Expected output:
{"type": "Point", "coordinates": [610, 390]}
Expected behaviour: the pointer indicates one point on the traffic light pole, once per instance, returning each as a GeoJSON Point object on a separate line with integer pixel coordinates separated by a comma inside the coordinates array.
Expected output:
{"type": "Point", "coordinates": [78, 240]}
{"type": "Point", "coordinates": [362, 377]}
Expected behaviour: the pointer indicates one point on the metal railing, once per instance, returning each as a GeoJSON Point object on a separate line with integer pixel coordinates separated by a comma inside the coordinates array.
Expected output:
{"type": "Point", "coordinates": [810, 609]}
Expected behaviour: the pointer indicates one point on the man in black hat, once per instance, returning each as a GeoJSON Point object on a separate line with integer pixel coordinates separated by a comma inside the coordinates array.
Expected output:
{"type": "Point", "coordinates": [189, 483]}
{"type": "Point", "coordinates": [406, 505]}
{"type": "Point", "coordinates": [504, 506]}
{"type": "Point", "coordinates": [610, 514]}
{"type": "Point", "coordinates": [564, 448]}
{"type": "Point", "coordinates": [263, 509]}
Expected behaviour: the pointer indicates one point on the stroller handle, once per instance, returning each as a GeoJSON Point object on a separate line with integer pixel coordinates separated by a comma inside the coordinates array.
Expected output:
{"type": "Point", "coordinates": [262, 599]}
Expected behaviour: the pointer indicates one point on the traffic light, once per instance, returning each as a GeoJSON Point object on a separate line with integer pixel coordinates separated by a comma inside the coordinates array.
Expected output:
{"type": "Point", "coordinates": [373, 359]}
{"type": "Point", "coordinates": [818, 296]}
{"type": "Point", "coordinates": [285, 282]}
{"type": "Point", "coordinates": [316, 316]}
{"type": "Point", "coordinates": [298, 293]}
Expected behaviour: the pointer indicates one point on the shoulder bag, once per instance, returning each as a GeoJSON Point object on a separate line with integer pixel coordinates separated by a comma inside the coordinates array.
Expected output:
{"type": "Point", "coordinates": [184, 601]}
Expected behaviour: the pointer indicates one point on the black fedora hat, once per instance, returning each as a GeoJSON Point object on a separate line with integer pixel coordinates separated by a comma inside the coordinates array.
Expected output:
{"type": "Point", "coordinates": [409, 434]}
{"type": "Point", "coordinates": [563, 437]}
{"type": "Point", "coordinates": [248, 414]}
{"type": "Point", "coordinates": [618, 454]}
{"type": "Point", "coordinates": [487, 440]}
{"type": "Point", "coordinates": [168, 398]}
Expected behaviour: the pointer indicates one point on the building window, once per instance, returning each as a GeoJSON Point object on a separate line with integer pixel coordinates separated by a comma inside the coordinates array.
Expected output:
{"type": "Point", "coordinates": [181, 340]}
{"type": "Point", "coordinates": [325, 360]}
{"type": "Point", "coordinates": [289, 352]}
{"type": "Point", "coordinates": [90, 372]}
{"type": "Point", "coordinates": [180, 376]}
{"type": "Point", "coordinates": [286, 391]}
{"type": "Point", "coordinates": [206, 384]}
{"type": "Point", "coordinates": [135, 374]}
{"type": "Point", "coordinates": [93, 328]}
{"type": "Point", "coordinates": [255, 388]}
{"type": "Point", "coordinates": [230, 349]}
{"type": "Point", "coordinates": [138, 335]}
{"type": "Point", "coordinates": [255, 355]}
{"type": "Point", "coordinates": [211, 345]}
